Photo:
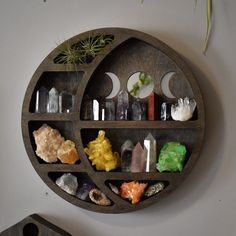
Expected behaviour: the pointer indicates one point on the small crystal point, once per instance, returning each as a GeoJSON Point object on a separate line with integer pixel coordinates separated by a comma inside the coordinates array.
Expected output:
{"type": "Point", "coordinates": [66, 102]}
{"type": "Point", "coordinates": [95, 109]}
{"type": "Point", "coordinates": [136, 110]}
{"type": "Point", "coordinates": [68, 183]}
{"type": "Point", "coordinates": [110, 110]}
{"type": "Point", "coordinates": [126, 155]}
{"type": "Point", "coordinates": [41, 100]}
{"type": "Point", "coordinates": [53, 101]}
{"type": "Point", "coordinates": [87, 108]}
{"type": "Point", "coordinates": [138, 159]}
{"type": "Point", "coordinates": [122, 105]}
{"type": "Point", "coordinates": [150, 153]}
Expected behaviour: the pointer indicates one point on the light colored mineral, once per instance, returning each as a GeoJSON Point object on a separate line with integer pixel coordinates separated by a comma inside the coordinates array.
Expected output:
{"type": "Point", "coordinates": [183, 110]}
{"type": "Point", "coordinates": [100, 153]}
{"type": "Point", "coordinates": [154, 189]}
{"type": "Point", "coordinates": [48, 141]}
{"type": "Point", "coordinates": [99, 197]}
{"type": "Point", "coordinates": [68, 183]}
{"type": "Point", "coordinates": [67, 152]}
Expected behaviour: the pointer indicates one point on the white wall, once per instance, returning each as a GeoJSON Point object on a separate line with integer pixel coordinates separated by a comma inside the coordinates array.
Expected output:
{"type": "Point", "coordinates": [205, 202]}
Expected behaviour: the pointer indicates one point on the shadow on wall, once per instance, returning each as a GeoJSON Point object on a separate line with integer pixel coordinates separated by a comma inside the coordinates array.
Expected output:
{"type": "Point", "coordinates": [203, 173]}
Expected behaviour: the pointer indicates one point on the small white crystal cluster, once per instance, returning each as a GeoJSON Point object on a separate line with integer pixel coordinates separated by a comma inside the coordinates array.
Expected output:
{"type": "Point", "coordinates": [183, 110]}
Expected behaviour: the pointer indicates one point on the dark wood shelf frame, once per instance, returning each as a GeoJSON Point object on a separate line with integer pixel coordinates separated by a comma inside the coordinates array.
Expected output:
{"type": "Point", "coordinates": [129, 52]}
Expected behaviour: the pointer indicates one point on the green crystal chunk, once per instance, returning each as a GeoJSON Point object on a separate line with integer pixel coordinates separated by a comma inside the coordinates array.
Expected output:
{"type": "Point", "coordinates": [172, 157]}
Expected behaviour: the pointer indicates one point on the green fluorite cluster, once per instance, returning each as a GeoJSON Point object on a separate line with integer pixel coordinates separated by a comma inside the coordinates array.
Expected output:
{"type": "Point", "coordinates": [172, 157]}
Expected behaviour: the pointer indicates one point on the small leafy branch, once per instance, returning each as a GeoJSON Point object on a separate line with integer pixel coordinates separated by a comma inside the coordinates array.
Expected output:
{"type": "Point", "coordinates": [144, 80]}
{"type": "Point", "coordinates": [84, 51]}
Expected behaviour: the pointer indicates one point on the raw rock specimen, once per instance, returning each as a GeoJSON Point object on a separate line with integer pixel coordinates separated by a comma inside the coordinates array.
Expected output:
{"type": "Point", "coordinates": [67, 152]}
{"type": "Point", "coordinates": [154, 189]}
{"type": "Point", "coordinates": [132, 191]}
{"type": "Point", "coordinates": [100, 153]}
{"type": "Point", "coordinates": [68, 183]}
{"type": "Point", "coordinates": [150, 153]}
{"type": "Point", "coordinates": [172, 157]}
{"type": "Point", "coordinates": [48, 141]}
{"type": "Point", "coordinates": [138, 159]}
{"type": "Point", "coordinates": [83, 192]}
{"type": "Point", "coordinates": [126, 155]}
{"type": "Point", "coordinates": [99, 197]}
{"type": "Point", "coordinates": [122, 105]}
{"type": "Point", "coordinates": [183, 110]}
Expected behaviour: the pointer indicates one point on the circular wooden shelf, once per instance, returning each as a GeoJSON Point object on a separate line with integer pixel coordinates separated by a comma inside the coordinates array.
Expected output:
{"type": "Point", "coordinates": [129, 52]}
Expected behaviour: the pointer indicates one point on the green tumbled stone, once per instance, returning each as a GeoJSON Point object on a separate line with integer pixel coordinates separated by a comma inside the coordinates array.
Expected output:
{"type": "Point", "coordinates": [172, 157]}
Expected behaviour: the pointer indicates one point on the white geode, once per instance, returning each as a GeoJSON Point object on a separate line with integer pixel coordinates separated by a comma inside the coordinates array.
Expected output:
{"type": "Point", "coordinates": [68, 183]}
{"type": "Point", "coordinates": [183, 110]}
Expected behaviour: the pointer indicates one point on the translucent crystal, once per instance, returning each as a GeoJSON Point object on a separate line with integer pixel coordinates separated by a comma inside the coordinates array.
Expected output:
{"type": "Point", "coordinates": [87, 108]}
{"type": "Point", "coordinates": [53, 101]}
{"type": "Point", "coordinates": [102, 110]}
{"type": "Point", "coordinates": [83, 192]}
{"type": "Point", "coordinates": [95, 110]}
{"type": "Point", "coordinates": [66, 102]}
{"type": "Point", "coordinates": [126, 155]}
{"type": "Point", "coordinates": [150, 153]}
{"type": "Point", "coordinates": [122, 105]}
{"type": "Point", "coordinates": [183, 110]}
{"type": "Point", "coordinates": [138, 159]}
{"type": "Point", "coordinates": [41, 100]}
{"type": "Point", "coordinates": [68, 183]}
{"type": "Point", "coordinates": [110, 110]}
{"type": "Point", "coordinates": [165, 111]}
{"type": "Point", "coordinates": [136, 110]}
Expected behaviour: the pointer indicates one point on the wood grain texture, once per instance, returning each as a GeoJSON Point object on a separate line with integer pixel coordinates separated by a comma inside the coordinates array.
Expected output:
{"type": "Point", "coordinates": [129, 52]}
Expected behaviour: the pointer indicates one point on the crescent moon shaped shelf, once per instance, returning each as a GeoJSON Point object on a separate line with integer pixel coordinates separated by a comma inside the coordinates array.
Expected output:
{"type": "Point", "coordinates": [130, 51]}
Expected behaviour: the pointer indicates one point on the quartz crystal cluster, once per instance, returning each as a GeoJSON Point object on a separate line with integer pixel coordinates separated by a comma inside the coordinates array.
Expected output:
{"type": "Point", "coordinates": [86, 191]}
{"type": "Point", "coordinates": [51, 146]}
{"type": "Point", "coordinates": [183, 110]}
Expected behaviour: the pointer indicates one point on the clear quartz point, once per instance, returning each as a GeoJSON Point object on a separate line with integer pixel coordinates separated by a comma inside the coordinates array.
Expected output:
{"type": "Point", "coordinates": [66, 102]}
{"type": "Point", "coordinates": [150, 153]}
{"type": "Point", "coordinates": [53, 101]}
{"type": "Point", "coordinates": [122, 105]}
{"type": "Point", "coordinates": [110, 110]}
{"type": "Point", "coordinates": [87, 108]}
{"type": "Point", "coordinates": [126, 155]}
{"type": "Point", "coordinates": [41, 100]}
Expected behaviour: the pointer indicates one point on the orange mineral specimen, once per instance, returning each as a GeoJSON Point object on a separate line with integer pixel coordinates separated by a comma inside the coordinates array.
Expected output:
{"type": "Point", "coordinates": [67, 152]}
{"type": "Point", "coordinates": [133, 191]}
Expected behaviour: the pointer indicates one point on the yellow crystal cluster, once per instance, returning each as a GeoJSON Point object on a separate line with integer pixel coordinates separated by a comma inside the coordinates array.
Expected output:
{"type": "Point", "coordinates": [99, 151]}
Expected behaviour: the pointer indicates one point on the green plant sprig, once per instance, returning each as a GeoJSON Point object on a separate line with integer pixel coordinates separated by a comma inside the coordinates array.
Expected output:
{"type": "Point", "coordinates": [144, 80]}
